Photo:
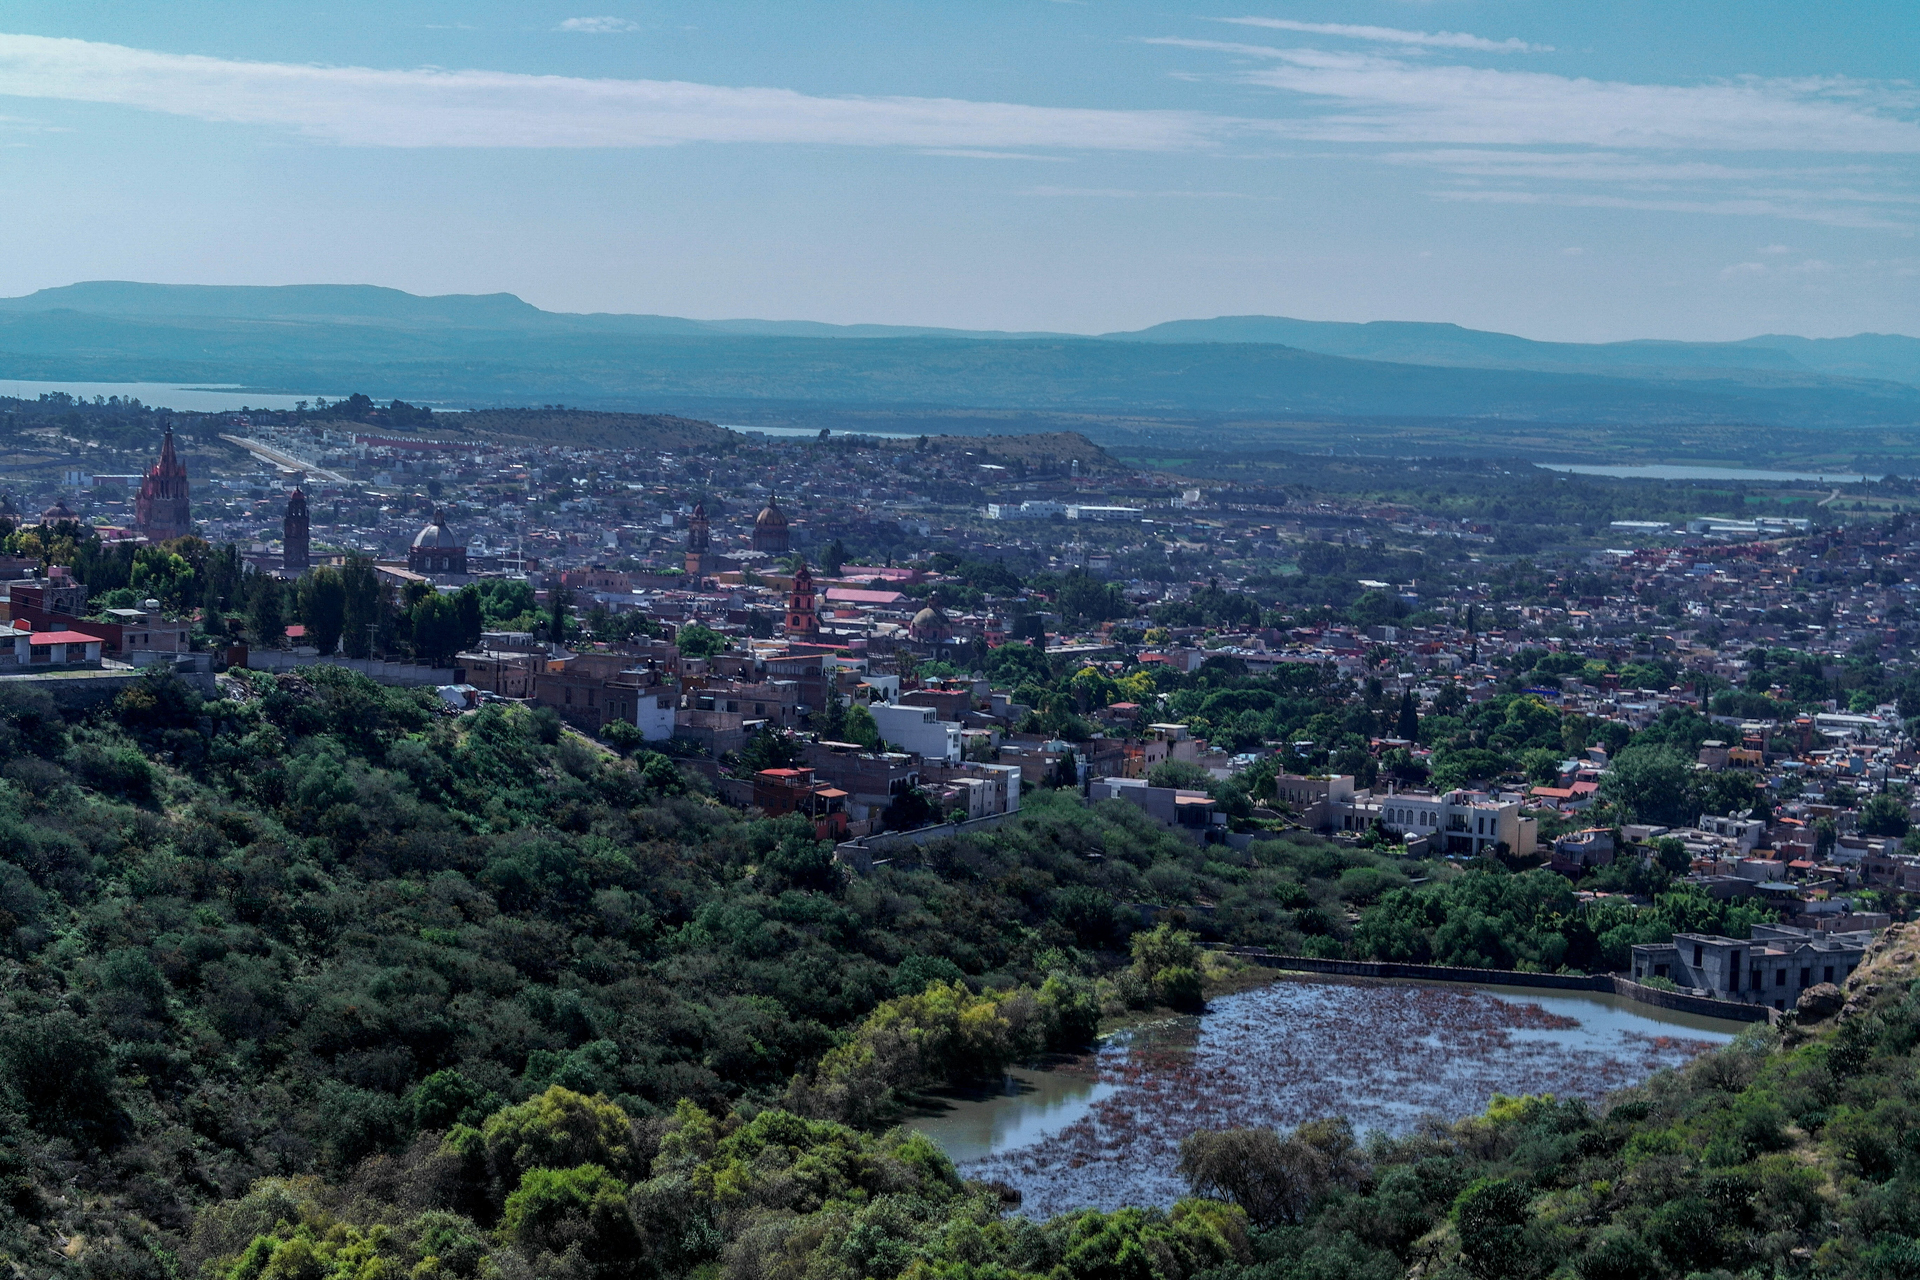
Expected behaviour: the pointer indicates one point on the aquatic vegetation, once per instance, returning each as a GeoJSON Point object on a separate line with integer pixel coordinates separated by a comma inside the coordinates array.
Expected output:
{"type": "Point", "coordinates": [1384, 1055]}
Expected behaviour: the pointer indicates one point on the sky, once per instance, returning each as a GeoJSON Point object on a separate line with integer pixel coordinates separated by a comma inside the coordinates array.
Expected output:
{"type": "Point", "coordinates": [1584, 172]}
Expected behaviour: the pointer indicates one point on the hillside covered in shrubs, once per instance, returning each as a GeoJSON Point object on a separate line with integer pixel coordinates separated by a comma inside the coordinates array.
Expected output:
{"type": "Point", "coordinates": [321, 979]}
{"type": "Point", "coordinates": [316, 922]}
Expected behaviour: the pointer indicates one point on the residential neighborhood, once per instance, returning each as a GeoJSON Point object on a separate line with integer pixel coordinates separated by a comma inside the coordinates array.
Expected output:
{"type": "Point", "coordinates": [885, 634]}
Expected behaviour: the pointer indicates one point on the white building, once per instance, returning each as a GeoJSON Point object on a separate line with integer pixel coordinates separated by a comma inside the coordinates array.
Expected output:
{"type": "Point", "coordinates": [984, 789]}
{"type": "Point", "coordinates": [1085, 511]}
{"type": "Point", "coordinates": [1454, 822]}
{"type": "Point", "coordinates": [1747, 834]}
{"type": "Point", "coordinates": [1025, 511]}
{"type": "Point", "coordinates": [653, 713]}
{"type": "Point", "coordinates": [919, 730]}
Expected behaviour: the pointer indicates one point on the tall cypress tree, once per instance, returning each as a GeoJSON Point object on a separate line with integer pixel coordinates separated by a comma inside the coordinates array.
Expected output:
{"type": "Point", "coordinates": [1408, 726]}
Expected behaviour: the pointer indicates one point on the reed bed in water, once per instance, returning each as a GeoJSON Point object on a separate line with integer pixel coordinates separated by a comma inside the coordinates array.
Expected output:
{"type": "Point", "coordinates": [1384, 1056]}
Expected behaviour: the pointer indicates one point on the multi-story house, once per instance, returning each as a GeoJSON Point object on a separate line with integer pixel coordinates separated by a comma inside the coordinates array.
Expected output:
{"type": "Point", "coordinates": [1773, 967]}
{"type": "Point", "coordinates": [1465, 823]}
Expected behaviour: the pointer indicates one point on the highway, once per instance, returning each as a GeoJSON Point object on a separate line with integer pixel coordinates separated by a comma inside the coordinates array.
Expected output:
{"type": "Point", "coordinates": [285, 461]}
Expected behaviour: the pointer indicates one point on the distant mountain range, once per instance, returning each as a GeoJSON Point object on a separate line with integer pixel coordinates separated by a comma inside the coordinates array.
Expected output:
{"type": "Point", "coordinates": [480, 350]}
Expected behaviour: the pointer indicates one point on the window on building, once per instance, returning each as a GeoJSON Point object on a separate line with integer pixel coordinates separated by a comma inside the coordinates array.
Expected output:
{"type": "Point", "coordinates": [1829, 973]}
{"type": "Point", "coordinates": [1780, 978]}
{"type": "Point", "coordinates": [1699, 955]}
{"type": "Point", "coordinates": [1806, 977]}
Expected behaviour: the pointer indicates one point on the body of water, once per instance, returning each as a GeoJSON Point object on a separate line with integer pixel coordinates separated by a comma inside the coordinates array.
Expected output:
{"type": "Point", "coordinates": [1106, 1131]}
{"type": "Point", "coordinates": [1655, 472]}
{"type": "Point", "coordinates": [162, 395]}
{"type": "Point", "coordinates": [815, 431]}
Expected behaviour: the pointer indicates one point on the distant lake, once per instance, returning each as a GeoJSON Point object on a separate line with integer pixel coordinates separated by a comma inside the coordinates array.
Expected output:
{"type": "Point", "coordinates": [159, 395]}
{"type": "Point", "coordinates": [1657, 472]}
{"type": "Point", "coordinates": [815, 431]}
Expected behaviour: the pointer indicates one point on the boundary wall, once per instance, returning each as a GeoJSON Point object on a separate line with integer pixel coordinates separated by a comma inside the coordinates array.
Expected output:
{"type": "Point", "coordinates": [1678, 1001]}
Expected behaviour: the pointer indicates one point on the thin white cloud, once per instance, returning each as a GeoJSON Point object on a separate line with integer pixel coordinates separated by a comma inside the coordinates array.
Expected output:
{"type": "Point", "coordinates": [1394, 35]}
{"type": "Point", "coordinates": [975, 153]}
{"type": "Point", "coordinates": [598, 26]}
{"type": "Point", "coordinates": [1614, 167]}
{"type": "Point", "coordinates": [1365, 98]}
{"type": "Point", "coordinates": [1127, 193]}
{"type": "Point", "coordinates": [1742, 206]}
{"type": "Point", "coordinates": [360, 106]}
{"type": "Point", "coordinates": [22, 124]}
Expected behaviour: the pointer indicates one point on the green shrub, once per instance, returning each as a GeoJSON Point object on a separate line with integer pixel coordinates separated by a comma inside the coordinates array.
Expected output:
{"type": "Point", "coordinates": [559, 1129]}
{"type": "Point", "coordinates": [584, 1208]}
{"type": "Point", "coordinates": [117, 771]}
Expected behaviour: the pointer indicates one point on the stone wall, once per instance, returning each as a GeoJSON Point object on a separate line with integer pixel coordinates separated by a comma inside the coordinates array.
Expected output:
{"type": "Point", "coordinates": [858, 854]}
{"type": "Point", "coordinates": [1679, 1001]}
{"type": "Point", "coordinates": [409, 674]}
{"type": "Point", "coordinates": [85, 690]}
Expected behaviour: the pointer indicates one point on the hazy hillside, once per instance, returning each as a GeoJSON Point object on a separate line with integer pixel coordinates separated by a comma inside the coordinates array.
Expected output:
{"type": "Point", "coordinates": [1867, 355]}
{"type": "Point", "coordinates": [479, 351]}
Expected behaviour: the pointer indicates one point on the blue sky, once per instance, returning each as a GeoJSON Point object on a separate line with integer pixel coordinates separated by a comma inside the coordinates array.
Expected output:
{"type": "Point", "coordinates": [1579, 171]}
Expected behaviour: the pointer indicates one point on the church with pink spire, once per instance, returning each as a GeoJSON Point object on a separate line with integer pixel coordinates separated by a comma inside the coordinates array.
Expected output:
{"type": "Point", "coordinates": [162, 510]}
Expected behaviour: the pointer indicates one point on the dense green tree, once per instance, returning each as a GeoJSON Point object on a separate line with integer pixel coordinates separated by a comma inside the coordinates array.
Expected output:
{"type": "Point", "coordinates": [322, 603]}
{"type": "Point", "coordinates": [364, 606]}
{"type": "Point", "coordinates": [437, 630]}
{"type": "Point", "coordinates": [697, 640]}
{"type": "Point", "coordinates": [266, 609]}
{"type": "Point", "coordinates": [1652, 783]}
{"type": "Point", "coordinates": [559, 614]}
{"type": "Point", "coordinates": [1884, 815]}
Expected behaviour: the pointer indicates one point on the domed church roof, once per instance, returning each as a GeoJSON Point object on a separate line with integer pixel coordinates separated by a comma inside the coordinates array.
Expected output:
{"type": "Point", "coordinates": [436, 534]}
{"type": "Point", "coordinates": [771, 516]}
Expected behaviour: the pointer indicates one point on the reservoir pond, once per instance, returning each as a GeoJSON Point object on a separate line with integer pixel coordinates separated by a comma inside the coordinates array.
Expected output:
{"type": "Point", "coordinates": [1105, 1130]}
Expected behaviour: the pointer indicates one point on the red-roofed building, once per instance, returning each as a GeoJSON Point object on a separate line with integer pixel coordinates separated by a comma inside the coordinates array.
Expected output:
{"type": "Point", "coordinates": [56, 648]}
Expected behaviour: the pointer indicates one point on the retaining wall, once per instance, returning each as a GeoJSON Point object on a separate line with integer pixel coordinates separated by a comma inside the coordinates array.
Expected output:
{"type": "Point", "coordinates": [1679, 1001]}
{"type": "Point", "coordinates": [84, 690]}
{"type": "Point", "coordinates": [858, 854]}
{"type": "Point", "coordinates": [408, 674]}
{"type": "Point", "coordinates": [1687, 1002]}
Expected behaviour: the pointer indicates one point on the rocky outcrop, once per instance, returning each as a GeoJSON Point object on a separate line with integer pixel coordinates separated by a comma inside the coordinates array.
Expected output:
{"type": "Point", "coordinates": [1820, 1001]}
